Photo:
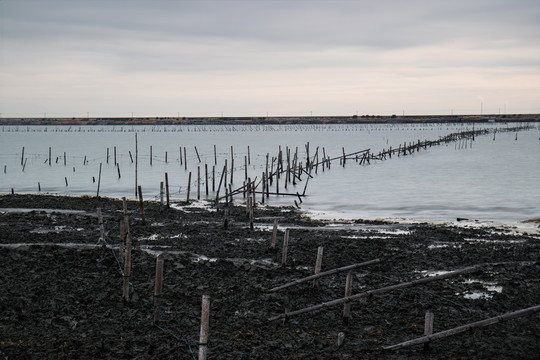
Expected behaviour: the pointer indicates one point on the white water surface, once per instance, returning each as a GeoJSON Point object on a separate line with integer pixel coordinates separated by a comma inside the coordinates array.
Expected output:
{"type": "Point", "coordinates": [494, 178]}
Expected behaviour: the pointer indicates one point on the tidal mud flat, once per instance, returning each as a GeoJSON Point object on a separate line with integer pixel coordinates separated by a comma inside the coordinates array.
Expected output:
{"type": "Point", "coordinates": [62, 290]}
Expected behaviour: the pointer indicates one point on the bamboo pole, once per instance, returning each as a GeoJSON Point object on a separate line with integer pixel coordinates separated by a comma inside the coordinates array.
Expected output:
{"type": "Point", "coordinates": [127, 268]}
{"type": "Point", "coordinates": [205, 318]}
{"type": "Point", "coordinates": [167, 189]}
{"type": "Point", "coordinates": [347, 305]}
{"type": "Point", "coordinates": [188, 187]}
{"type": "Point", "coordinates": [158, 288]}
{"type": "Point", "coordinates": [99, 180]}
{"type": "Point", "coordinates": [197, 152]}
{"type": "Point", "coordinates": [318, 264]}
{"type": "Point", "coordinates": [386, 289]}
{"type": "Point", "coordinates": [325, 273]}
{"type": "Point", "coordinates": [141, 204]}
{"type": "Point", "coordinates": [274, 235]}
{"type": "Point", "coordinates": [284, 250]}
{"type": "Point", "coordinates": [463, 328]}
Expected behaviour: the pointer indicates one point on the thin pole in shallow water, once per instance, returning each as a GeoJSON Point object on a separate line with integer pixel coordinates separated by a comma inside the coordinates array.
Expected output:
{"type": "Point", "coordinates": [99, 180]}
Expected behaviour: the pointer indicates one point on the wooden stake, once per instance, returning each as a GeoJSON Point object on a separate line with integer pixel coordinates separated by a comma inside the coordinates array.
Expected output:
{"type": "Point", "coordinates": [141, 204]}
{"type": "Point", "coordinates": [285, 245]}
{"type": "Point", "coordinates": [274, 235]}
{"type": "Point", "coordinates": [158, 287]}
{"type": "Point", "coordinates": [151, 155]}
{"type": "Point", "coordinates": [115, 163]}
{"type": "Point", "coordinates": [122, 237]}
{"type": "Point", "coordinates": [99, 180]}
{"type": "Point", "coordinates": [22, 156]}
{"type": "Point", "coordinates": [205, 317]}
{"type": "Point", "coordinates": [167, 189]}
{"type": "Point", "coordinates": [206, 178]}
{"type": "Point", "coordinates": [161, 197]}
{"type": "Point", "coordinates": [197, 152]}
{"type": "Point", "coordinates": [463, 328]}
{"type": "Point", "coordinates": [347, 306]}
{"type": "Point", "coordinates": [213, 178]}
{"type": "Point", "coordinates": [101, 227]}
{"type": "Point", "coordinates": [127, 268]}
{"type": "Point", "coordinates": [188, 187]}
{"type": "Point", "coordinates": [386, 289]}
{"type": "Point", "coordinates": [198, 182]}
{"type": "Point", "coordinates": [318, 264]}
{"type": "Point", "coordinates": [118, 168]}
{"type": "Point", "coordinates": [428, 327]}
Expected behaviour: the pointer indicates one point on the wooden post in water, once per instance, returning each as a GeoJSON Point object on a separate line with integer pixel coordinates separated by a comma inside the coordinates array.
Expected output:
{"type": "Point", "coordinates": [188, 187]}
{"type": "Point", "coordinates": [206, 177]}
{"type": "Point", "coordinates": [151, 155]}
{"type": "Point", "coordinates": [205, 319]}
{"type": "Point", "coordinates": [64, 158]}
{"type": "Point", "coordinates": [215, 155]}
{"type": "Point", "coordinates": [49, 156]}
{"type": "Point", "coordinates": [161, 197]}
{"type": "Point", "coordinates": [107, 155]}
{"type": "Point", "coordinates": [213, 178]}
{"type": "Point", "coordinates": [198, 182]}
{"type": "Point", "coordinates": [99, 180]}
{"type": "Point", "coordinates": [347, 306]}
{"type": "Point", "coordinates": [22, 156]}
{"type": "Point", "coordinates": [167, 189]}
{"type": "Point", "coordinates": [318, 264]}
{"type": "Point", "coordinates": [127, 269]}
{"type": "Point", "coordinates": [197, 152]}
{"type": "Point", "coordinates": [141, 204]}
{"type": "Point", "coordinates": [115, 163]}
{"type": "Point", "coordinates": [185, 158]}
{"type": "Point", "coordinates": [158, 288]}
{"type": "Point", "coordinates": [180, 150]}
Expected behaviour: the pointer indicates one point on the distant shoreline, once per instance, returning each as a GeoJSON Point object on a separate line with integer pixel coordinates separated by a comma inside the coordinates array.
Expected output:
{"type": "Point", "coordinates": [273, 120]}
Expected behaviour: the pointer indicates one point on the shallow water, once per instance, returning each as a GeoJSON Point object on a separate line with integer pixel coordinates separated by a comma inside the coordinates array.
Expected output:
{"type": "Point", "coordinates": [492, 178]}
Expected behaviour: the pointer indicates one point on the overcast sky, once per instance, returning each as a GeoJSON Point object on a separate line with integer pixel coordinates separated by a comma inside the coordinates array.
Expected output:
{"type": "Point", "coordinates": [288, 57]}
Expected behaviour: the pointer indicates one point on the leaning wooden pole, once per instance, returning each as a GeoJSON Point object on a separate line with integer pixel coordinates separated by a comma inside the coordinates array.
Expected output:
{"type": "Point", "coordinates": [424, 280]}
{"type": "Point", "coordinates": [463, 328]}
{"type": "Point", "coordinates": [325, 273]}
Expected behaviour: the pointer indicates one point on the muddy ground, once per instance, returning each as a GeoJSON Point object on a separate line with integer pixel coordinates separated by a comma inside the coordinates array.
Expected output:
{"type": "Point", "coordinates": [65, 302]}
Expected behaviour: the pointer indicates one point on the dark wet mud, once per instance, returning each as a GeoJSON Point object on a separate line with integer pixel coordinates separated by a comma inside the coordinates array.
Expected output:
{"type": "Point", "coordinates": [65, 302]}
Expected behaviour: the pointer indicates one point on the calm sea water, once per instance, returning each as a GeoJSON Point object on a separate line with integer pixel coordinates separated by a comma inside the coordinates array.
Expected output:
{"type": "Point", "coordinates": [493, 178]}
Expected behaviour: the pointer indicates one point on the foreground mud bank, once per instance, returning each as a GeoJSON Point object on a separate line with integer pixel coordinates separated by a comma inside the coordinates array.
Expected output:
{"type": "Point", "coordinates": [62, 291]}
